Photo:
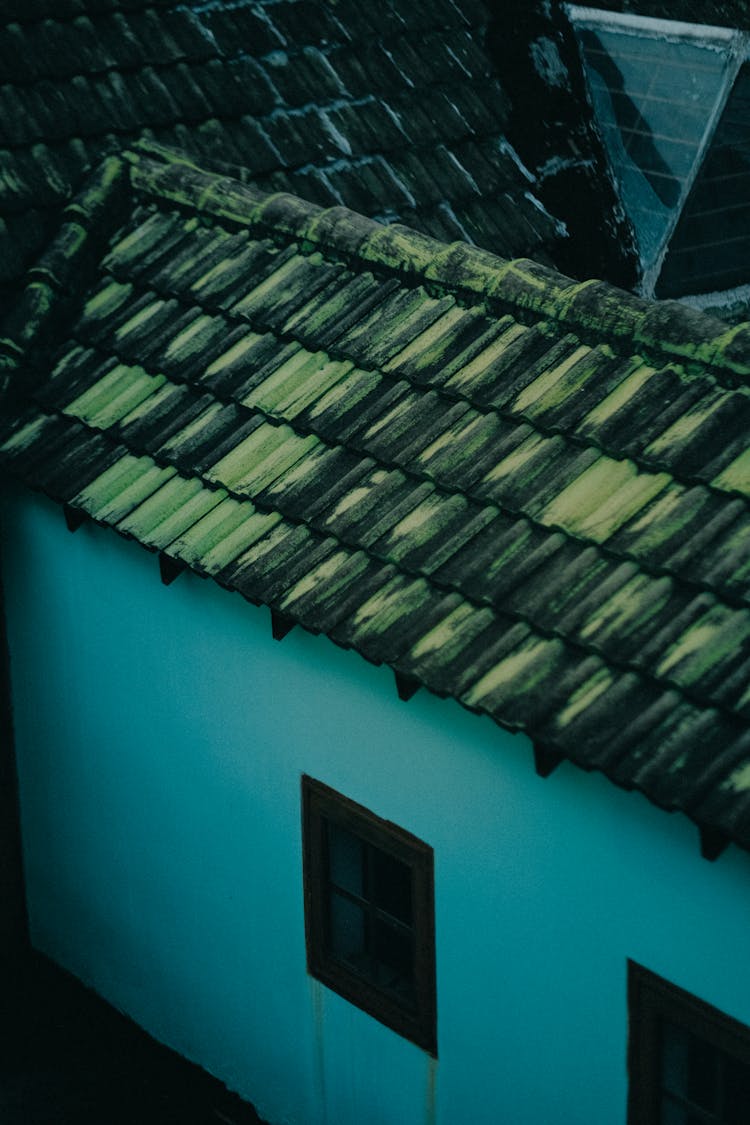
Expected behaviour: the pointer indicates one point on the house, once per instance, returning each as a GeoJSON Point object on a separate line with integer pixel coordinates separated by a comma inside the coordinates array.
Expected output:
{"type": "Point", "coordinates": [458, 880]}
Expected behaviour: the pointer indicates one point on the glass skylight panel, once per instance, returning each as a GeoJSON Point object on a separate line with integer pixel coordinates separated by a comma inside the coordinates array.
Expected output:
{"type": "Point", "coordinates": [655, 99]}
{"type": "Point", "coordinates": [710, 249]}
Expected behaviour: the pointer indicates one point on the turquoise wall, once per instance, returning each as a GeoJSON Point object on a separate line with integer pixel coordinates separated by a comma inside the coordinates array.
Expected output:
{"type": "Point", "coordinates": [161, 737]}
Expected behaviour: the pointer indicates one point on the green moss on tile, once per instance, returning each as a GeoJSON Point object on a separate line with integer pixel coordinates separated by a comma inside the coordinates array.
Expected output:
{"type": "Point", "coordinates": [241, 540]}
{"type": "Point", "coordinates": [520, 672]}
{"type": "Point", "coordinates": [639, 600]}
{"type": "Point", "coordinates": [739, 780]}
{"type": "Point", "coordinates": [717, 635]}
{"type": "Point", "coordinates": [449, 637]}
{"type": "Point", "coordinates": [398, 248]}
{"type": "Point", "coordinates": [552, 388]}
{"type": "Point", "coordinates": [107, 300]}
{"type": "Point", "coordinates": [603, 498]}
{"type": "Point", "coordinates": [327, 575]}
{"type": "Point", "coordinates": [210, 529]}
{"type": "Point", "coordinates": [585, 696]}
{"type": "Point", "coordinates": [389, 605]}
{"type": "Point", "coordinates": [736, 476]}
{"type": "Point", "coordinates": [625, 392]}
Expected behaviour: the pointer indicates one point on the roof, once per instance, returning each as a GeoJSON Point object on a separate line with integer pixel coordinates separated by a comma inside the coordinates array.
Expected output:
{"type": "Point", "coordinates": [396, 115]}
{"type": "Point", "coordinates": [525, 493]}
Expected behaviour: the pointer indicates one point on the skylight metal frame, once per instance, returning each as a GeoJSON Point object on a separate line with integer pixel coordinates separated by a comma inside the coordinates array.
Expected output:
{"type": "Point", "coordinates": [731, 42]}
{"type": "Point", "coordinates": [676, 30]}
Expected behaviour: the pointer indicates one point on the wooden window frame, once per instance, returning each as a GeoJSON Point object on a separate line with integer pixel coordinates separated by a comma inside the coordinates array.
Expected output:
{"type": "Point", "coordinates": [652, 999]}
{"type": "Point", "coordinates": [321, 805]}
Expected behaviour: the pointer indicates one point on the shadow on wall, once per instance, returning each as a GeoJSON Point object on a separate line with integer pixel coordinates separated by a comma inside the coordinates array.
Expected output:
{"type": "Point", "coordinates": [71, 1059]}
{"type": "Point", "coordinates": [14, 933]}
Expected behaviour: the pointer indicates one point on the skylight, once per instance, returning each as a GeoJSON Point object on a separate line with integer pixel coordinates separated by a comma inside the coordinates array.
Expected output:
{"type": "Point", "coordinates": [672, 101]}
{"type": "Point", "coordinates": [710, 248]}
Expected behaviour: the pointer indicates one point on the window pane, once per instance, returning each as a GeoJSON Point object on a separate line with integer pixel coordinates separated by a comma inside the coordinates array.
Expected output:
{"type": "Point", "coordinates": [674, 1059]}
{"type": "Point", "coordinates": [390, 885]}
{"type": "Point", "coordinates": [345, 859]}
{"type": "Point", "coordinates": [711, 245]}
{"type": "Point", "coordinates": [736, 1092]}
{"type": "Point", "coordinates": [702, 1074]}
{"type": "Point", "coordinates": [653, 99]}
{"type": "Point", "coordinates": [393, 957]}
{"type": "Point", "coordinates": [672, 1114]}
{"type": "Point", "coordinates": [690, 1067]}
{"type": "Point", "coordinates": [348, 931]}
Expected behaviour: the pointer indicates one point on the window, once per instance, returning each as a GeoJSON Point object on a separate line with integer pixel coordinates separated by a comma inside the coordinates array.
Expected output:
{"type": "Point", "coordinates": [689, 1063]}
{"type": "Point", "coordinates": [369, 912]}
{"type": "Point", "coordinates": [672, 101]}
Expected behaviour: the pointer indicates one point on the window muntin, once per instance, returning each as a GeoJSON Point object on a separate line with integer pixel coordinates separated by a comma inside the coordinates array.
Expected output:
{"type": "Point", "coordinates": [689, 1063]}
{"type": "Point", "coordinates": [369, 912]}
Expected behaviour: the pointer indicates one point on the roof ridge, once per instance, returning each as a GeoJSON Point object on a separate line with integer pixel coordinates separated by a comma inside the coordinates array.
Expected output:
{"type": "Point", "coordinates": [668, 330]}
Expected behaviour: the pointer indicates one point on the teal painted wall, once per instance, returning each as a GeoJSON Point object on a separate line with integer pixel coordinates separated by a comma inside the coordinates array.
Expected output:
{"type": "Point", "coordinates": [161, 737]}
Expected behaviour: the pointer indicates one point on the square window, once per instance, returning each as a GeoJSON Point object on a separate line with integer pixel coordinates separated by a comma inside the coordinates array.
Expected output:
{"type": "Point", "coordinates": [689, 1064]}
{"type": "Point", "coordinates": [369, 912]}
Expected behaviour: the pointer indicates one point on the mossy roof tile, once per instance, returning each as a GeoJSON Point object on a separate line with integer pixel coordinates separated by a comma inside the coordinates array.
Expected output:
{"type": "Point", "coordinates": [428, 453]}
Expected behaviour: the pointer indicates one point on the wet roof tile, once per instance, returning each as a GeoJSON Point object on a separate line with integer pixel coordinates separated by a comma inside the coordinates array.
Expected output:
{"type": "Point", "coordinates": [429, 454]}
{"type": "Point", "coordinates": [281, 90]}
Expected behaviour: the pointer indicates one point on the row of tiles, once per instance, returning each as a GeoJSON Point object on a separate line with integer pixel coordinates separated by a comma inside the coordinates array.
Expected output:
{"type": "Point", "coordinates": [147, 96]}
{"type": "Point", "coordinates": [178, 294]}
{"type": "Point", "coordinates": [121, 44]}
{"type": "Point", "coordinates": [493, 457]}
{"type": "Point", "coordinates": [441, 111]}
{"type": "Point", "coordinates": [107, 34]}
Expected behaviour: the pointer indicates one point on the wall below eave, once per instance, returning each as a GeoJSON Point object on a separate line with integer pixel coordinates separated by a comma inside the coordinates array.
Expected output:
{"type": "Point", "coordinates": [161, 734]}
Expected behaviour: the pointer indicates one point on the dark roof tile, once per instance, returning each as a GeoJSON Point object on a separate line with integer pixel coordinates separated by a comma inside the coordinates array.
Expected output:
{"type": "Point", "coordinates": [275, 90]}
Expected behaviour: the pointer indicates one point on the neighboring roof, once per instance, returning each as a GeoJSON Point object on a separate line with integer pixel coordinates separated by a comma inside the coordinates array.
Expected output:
{"type": "Point", "coordinates": [525, 493]}
{"type": "Point", "coordinates": [391, 110]}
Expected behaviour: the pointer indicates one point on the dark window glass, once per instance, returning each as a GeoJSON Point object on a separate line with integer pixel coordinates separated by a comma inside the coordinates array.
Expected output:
{"type": "Point", "coordinates": [346, 859]}
{"type": "Point", "coordinates": [689, 1068]}
{"type": "Point", "coordinates": [390, 884]}
{"type": "Point", "coordinates": [736, 1092]}
{"type": "Point", "coordinates": [348, 935]}
{"type": "Point", "coordinates": [369, 912]}
{"type": "Point", "coordinates": [710, 247]}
